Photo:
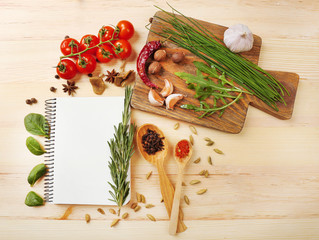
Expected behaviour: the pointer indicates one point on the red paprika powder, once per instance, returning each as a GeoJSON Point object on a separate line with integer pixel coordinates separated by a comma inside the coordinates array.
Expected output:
{"type": "Point", "coordinates": [182, 149]}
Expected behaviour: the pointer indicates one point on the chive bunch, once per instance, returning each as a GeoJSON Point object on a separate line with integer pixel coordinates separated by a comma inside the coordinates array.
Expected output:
{"type": "Point", "coordinates": [188, 33]}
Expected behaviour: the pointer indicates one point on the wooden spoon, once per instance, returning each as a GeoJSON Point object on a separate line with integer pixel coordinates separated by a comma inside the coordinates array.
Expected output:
{"type": "Point", "coordinates": [158, 159]}
{"type": "Point", "coordinates": [181, 163]}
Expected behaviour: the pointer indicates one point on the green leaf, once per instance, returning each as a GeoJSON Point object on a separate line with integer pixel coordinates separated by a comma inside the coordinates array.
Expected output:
{"type": "Point", "coordinates": [33, 199]}
{"type": "Point", "coordinates": [36, 173]}
{"type": "Point", "coordinates": [36, 124]}
{"type": "Point", "coordinates": [34, 146]}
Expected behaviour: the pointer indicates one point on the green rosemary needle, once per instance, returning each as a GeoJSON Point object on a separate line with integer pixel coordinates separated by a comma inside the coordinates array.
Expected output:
{"type": "Point", "coordinates": [121, 148]}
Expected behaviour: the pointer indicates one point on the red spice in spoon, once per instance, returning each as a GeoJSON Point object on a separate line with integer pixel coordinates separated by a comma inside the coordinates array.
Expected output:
{"type": "Point", "coordinates": [182, 149]}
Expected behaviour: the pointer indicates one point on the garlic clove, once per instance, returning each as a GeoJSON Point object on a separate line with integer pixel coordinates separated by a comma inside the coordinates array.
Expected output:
{"type": "Point", "coordinates": [167, 89]}
{"type": "Point", "coordinates": [172, 99]}
{"type": "Point", "coordinates": [238, 38]}
{"type": "Point", "coordinates": [154, 98]}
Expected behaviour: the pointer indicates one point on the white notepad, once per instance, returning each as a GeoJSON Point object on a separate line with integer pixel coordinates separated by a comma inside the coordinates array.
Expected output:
{"type": "Point", "coordinates": [78, 159]}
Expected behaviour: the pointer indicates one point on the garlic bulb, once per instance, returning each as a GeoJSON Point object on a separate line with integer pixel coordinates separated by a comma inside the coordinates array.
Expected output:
{"type": "Point", "coordinates": [238, 38]}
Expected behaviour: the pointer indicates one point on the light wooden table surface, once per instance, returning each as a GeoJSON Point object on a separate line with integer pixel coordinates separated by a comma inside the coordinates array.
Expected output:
{"type": "Point", "coordinates": [266, 186]}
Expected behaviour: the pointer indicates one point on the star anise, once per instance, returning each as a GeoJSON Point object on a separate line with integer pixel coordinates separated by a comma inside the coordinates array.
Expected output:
{"type": "Point", "coordinates": [69, 87]}
{"type": "Point", "coordinates": [110, 76]}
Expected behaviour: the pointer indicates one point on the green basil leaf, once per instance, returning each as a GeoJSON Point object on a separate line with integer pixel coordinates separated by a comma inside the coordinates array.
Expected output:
{"type": "Point", "coordinates": [33, 199]}
{"type": "Point", "coordinates": [36, 173]}
{"type": "Point", "coordinates": [34, 146]}
{"type": "Point", "coordinates": [36, 124]}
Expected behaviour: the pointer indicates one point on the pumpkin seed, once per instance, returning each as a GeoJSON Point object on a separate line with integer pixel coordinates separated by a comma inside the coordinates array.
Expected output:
{"type": "Point", "coordinates": [133, 205]}
{"type": "Point", "coordinates": [87, 218]}
{"type": "Point", "coordinates": [137, 208]}
{"type": "Point", "coordinates": [193, 182]}
{"type": "Point", "coordinates": [209, 159]}
{"type": "Point", "coordinates": [193, 129]}
{"type": "Point", "coordinates": [197, 160]}
{"type": "Point", "coordinates": [218, 151]}
{"type": "Point", "coordinates": [125, 215]}
{"type": "Point", "coordinates": [111, 210]}
{"type": "Point", "coordinates": [115, 221]}
{"type": "Point", "coordinates": [206, 174]}
{"type": "Point", "coordinates": [186, 199]}
{"type": "Point", "coordinates": [191, 139]}
{"type": "Point", "coordinates": [149, 174]}
{"type": "Point", "coordinates": [150, 217]}
{"type": "Point", "coordinates": [100, 210]}
{"type": "Point", "coordinates": [202, 191]}
{"type": "Point", "coordinates": [149, 205]}
{"type": "Point", "coordinates": [210, 143]}
{"type": "Point", "coordinates": [202, 173]}
{"type": "Point", "coordinates": [176, 126]}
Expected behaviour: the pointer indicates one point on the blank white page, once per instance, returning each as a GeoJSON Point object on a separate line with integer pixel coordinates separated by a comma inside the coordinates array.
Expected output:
{"type": "Point", "coordinates": [83, 127]}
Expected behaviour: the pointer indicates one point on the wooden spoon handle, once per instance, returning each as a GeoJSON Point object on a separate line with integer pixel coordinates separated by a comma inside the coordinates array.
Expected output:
{"type": "Point", "coordinates": [167, 191]}
{"type": "Point", "coordinates": [175, 209]}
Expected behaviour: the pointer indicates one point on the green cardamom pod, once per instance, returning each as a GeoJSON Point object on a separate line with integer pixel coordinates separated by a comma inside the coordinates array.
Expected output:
{"type": "Point", "coordinates": [36, 173]}
{"type": "Point", "coordinates": [33, 199]}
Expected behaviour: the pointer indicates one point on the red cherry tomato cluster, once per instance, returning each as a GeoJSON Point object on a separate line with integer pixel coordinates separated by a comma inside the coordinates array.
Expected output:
{"type": "Point", "coordinates": [82, 56]}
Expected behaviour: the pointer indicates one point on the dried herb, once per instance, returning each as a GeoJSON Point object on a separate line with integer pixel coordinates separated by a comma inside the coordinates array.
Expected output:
{"type": "Point", "coordinates": [122, 149]}
{"type": "Point", "coordinates": [69, 87]}
{"type": "Point", "coordinates": [32, 199]}
{"type": "Point", "coordinates": [152, 142]}
{"type": "Point", "coordinates": [34, 146]}
{"type": "Point", "coordinates": [110, 76]}
{"type": "Point", "coordinates": [36, 173]}
{"type": "Point", "coordinates": [36, 124]}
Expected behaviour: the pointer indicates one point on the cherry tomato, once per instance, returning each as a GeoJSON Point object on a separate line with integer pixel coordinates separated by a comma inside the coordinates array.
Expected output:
{"type": "Point", "coordinates": [122, 48]}
{"type": "Point", "coordinates": [104, 54]}
{"type": "Point", "coordinates": [89, 40]}
{"type": "Point", "coordinates": [66, 69]}
{"type": "Point", "coordinates": [86, 63]}
{"type": "Point", "coordinates": [69, 45]}
{"type": "Point", "coordinates": [106, 33]}
{"type": "Point", "coordinates": [125, 29]}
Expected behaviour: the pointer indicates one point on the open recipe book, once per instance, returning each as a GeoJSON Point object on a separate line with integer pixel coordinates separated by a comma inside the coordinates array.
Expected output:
{"type": "Point", "coordinates": [77, 151]}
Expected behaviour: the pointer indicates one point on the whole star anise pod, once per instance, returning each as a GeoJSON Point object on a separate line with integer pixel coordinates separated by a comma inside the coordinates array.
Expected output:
{"type": "Point", "coordinates": [110, 76]}
{"type": "Point", "coordinates": [69, 87]}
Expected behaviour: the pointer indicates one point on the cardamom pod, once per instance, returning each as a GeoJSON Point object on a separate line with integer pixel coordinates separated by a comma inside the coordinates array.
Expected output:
{"type": "Point", "coordinates": [149, 175]}
{"type": "Point", "coordinates": [207, 139]}
{"type": "Point", "coordinates": [150, 217]}
{"type": "Point", "coordinates": [218, 151]}
{"type": "Point", "coordinates": [193, 182]}
{"type": "Point", "coordinates": [143, 198]}
{"type": "Point", "coordinates": [137, 208]}
{"type": "Point", "coordinates": [206, 174]}
{"type": "Point", "coordinates": [209, 159]}
{"type": "Point", "coordinates": [176, 126]}
{"type": "Point", "coordinates": [100, 210]}
{"type": "Point", "coordinates": [191, 139]}
{"type": "Point", "coordinates": [36, 173]}
{"type": "Point", "coordinates": [202, 191]}
{"type": "Point", "coordinates": [197, 160]}
{"type": "Point", "coordinates": [210, 143]}
{"type": "Point", "coordinates": [133, 205]}
{"type": "Point", "coordinates": [186, 199]}
{"type": "Point", "coordinates": [125, 215]}
{"type": "Point", "coordinates": [115, 221]}
{"type": "Point", "coordinates": [184, 184]}
{"type": "Point", "coordinates": [111, 210]}
{"type": "Point", "coordinates": [149, 205]}
{"type": "Point", "coordinates": [138, 197]}
{"type": "Point", "coordinates": [87, 218]}
{"type": "Point", "coordinates": [193, 129]}
{"type": "Point", "coordinates": [202, 173]}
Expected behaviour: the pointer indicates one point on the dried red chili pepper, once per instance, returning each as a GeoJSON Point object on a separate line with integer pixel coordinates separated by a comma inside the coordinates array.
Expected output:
{"type": "Point", "coordinates": [182, 149]}
{"type": "Point", "coordinates": [145, 53]}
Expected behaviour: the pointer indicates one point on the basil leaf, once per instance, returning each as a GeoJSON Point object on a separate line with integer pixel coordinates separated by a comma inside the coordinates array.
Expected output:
{"type": "Point", "coordinates": [33, 199]}
{"type": "Point", "coordinates": [36, 173]}
{"type": "Point", "coordinates": [36, 124]}
{"type": "Point", "coordinates": [34, 146]}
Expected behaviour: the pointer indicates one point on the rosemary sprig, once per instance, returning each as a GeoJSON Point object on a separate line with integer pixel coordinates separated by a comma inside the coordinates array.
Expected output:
{"type": "Point", "coordinates": [121, 147]}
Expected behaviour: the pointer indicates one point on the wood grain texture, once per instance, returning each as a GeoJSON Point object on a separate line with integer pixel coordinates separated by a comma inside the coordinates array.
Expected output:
{"type": "Point", "coordinates": [234, 116]}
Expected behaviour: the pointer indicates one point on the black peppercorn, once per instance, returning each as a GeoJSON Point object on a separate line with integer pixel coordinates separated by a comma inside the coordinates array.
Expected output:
{"type": "Point", "coordinates": [90, 74]}
{"type": "Point", "coordinates": [57, 76]}
{"type": "Point", "coordinates": [66, 36]}
{"type": "Point", "coordinates": [28, 101]}
{"type": "Point", "coordinates": [33, 100]}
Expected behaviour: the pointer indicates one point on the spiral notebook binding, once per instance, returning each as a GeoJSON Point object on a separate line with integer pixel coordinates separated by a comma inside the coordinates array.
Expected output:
{"type": "Point", "coordinates": [50, 114]}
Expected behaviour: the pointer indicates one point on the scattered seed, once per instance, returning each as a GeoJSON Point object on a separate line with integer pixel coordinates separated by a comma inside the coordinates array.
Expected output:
{"type": "Point", "coordinates": [202, 173]}
{"type": "Point", "coordinates": [149, 175]}
{"type": "Point", "coordinates": [115, 221]}
{"type": "Point", "coordinates": [202, 191]}
{"type": "Point", "coordinates": [133, 205]}
{"type": "Point", "coordinates": [137, 208]}
{"type": "Point", "coordinates": [33, 100]}
{"type": "Point", "coordinates": [138, 197]}
{"type": "Point", "coordinates": [28, 101]}
{"type": "Point", "coordinates": [100, 210]}
{"type": "Point", "coordinates": [193, 129]}
{"type": "Point", "coordinates": [206, 174]}
{"type": "Point", "coordinates": [191, 139]}
{"type": "Point", "coordinates": [111, 210]}
{"type": "Point", "coordinates": [209, 159]}
{"type": "Point", "coordinates": [197, 160]}
{"type": "Point", "coordinates": [210, 143]}
{"type": "Point", "coordinates": [176, 126]}
{"type": "Point", "coordinates": [193, 182]}
{"type": "Point", "coordinates": [57, 76]}
{"type": "Point", "coordinates": [52, 89]}
{"type": "Point", "coordinates": [125, 215]}
{"type": "Point", "coordinates": [87, 218]}
{"type": "Point", "coordinates": [143, 198]}
{"type": "Point", "coordinates": [150, 217]}
{"type": "Point", "coordinates": [149, 205]}
{"type": "Point", "coordinates": [218, 151]}
{"type": "Point", "coordinates": [186, 199]}
{"type": "Point", "coordinates": [184, 184]}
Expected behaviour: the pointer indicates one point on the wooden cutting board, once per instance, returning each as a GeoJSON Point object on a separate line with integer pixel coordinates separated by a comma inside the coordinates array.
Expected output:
{"type": "Point", "coordinates": [233, 119]}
